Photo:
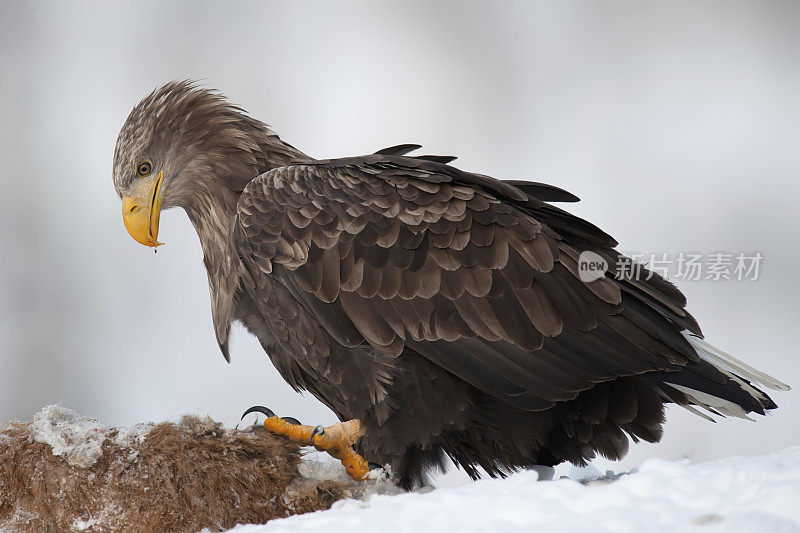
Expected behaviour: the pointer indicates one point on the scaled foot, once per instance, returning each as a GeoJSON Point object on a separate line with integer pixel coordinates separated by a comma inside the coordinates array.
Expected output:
{"type": "Point", "coordinates": [337, 440]}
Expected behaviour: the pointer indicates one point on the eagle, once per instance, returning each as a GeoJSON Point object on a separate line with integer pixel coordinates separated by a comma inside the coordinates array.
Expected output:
{"type": "Point", "coordinates": [438, 313]}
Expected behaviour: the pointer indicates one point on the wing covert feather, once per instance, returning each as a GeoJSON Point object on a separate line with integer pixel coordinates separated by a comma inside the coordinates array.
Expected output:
{"type": "Point", "coordinates": [470, 272]}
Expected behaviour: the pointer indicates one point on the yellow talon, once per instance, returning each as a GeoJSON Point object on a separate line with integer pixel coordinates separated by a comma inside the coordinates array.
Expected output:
{"type": "Point", "coordinates": [337, 440]}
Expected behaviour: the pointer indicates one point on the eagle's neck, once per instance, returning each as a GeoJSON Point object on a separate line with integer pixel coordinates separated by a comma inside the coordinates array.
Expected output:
{"type": "Point", "coordinates": [212, 211]}
{"type": "Point", "coordinates": [228, 167]}
{"type": "Point", "coordinates": [213, 215]}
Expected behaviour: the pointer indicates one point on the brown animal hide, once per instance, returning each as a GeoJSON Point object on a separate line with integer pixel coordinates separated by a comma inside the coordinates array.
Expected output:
{"type": "Point", "coordinates": [63, 472]}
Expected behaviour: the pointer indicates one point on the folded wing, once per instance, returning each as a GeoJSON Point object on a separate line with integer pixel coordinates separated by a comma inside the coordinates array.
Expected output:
{"type": "Point", "coordinates": [477, 275]}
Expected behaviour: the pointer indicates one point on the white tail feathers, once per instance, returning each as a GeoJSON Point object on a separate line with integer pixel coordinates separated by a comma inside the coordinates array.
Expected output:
{"type": "Point", "coordinates": [710, 403]}
{"type": "Point", "coordinates": [669, 398]}
{"type": "Point", "coordinates": [745, 375]}
{"type": "Point", "coordinates": [730, 365]}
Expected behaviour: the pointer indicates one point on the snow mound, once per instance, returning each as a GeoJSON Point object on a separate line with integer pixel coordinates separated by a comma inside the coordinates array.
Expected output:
{"type": "Point", "coordinates": [733, 495]}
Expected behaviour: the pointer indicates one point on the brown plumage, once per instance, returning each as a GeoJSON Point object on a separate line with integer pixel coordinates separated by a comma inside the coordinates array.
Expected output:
{"type": "Point", "coordinates": [442, 308]}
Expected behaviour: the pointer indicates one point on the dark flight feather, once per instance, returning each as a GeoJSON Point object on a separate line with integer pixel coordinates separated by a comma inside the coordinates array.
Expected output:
{"type": "Point", "coordinates": [543, 191]}
{"type": "Point", "coordinates": [400, 149]}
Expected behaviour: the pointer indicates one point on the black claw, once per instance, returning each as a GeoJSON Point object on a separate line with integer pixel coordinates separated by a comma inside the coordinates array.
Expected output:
{"type": "Point", "coordinates": [319, 430]}
{"type": "Point", "coordinates": [291, 420]}
{"type": "Point", "coordinates": [259, 409]}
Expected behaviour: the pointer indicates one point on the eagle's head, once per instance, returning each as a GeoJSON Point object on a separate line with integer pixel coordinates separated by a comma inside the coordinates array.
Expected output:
{"type": "Point", "coordinates": [184, 146]}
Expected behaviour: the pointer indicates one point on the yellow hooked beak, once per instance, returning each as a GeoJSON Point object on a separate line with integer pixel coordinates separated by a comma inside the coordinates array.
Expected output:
{"type": "Point", "coordinates": [141, 212]}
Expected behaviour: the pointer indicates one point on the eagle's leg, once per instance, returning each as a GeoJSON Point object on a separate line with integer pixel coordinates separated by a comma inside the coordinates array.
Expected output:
{"type": "Point", "coordinates": [337, 440]}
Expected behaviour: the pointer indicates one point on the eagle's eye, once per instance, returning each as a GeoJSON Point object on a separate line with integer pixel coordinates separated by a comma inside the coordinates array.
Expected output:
{"type": "Point", "coordinates": [144, 168]}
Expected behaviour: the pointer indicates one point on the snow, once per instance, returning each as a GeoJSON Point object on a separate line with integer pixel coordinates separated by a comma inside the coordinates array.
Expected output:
{"type": "Point", "coordinates": [79, 439]}
{"type": "Point", "coordinates": [319, 466]}
{"type": "Point", "coordinates": [730, 495]}
{"type": "Point", "coordinates": [134, 434]}
{"type": "Point", "coordinates": [82, 525]}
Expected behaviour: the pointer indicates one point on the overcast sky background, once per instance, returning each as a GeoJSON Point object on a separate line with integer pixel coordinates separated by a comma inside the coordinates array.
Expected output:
{"type": "Point", "coordinates": [675, 122]}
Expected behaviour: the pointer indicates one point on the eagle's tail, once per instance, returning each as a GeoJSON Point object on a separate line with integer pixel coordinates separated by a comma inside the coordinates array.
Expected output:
{"type": "Point", "coordinates": [737, 396]}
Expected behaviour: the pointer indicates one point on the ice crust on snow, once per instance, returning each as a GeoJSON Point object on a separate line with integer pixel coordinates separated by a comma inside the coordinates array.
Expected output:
{"type": "Point", "coordinates": [741, 494]}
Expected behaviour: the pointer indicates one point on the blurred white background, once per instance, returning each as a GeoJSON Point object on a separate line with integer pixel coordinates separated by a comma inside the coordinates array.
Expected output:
{"type": "Point", "coordinates": [675, 122]}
